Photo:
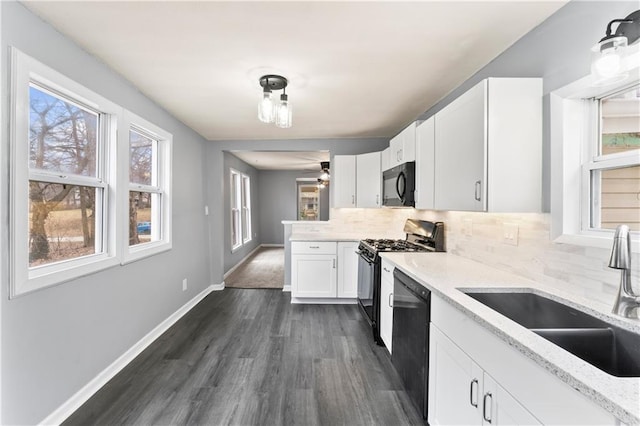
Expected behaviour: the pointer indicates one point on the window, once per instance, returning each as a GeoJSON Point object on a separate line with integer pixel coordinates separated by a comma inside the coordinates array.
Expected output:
{"type": "Point", "coordinates": [61, 135]}
{"type": "Point", "coordinates": [240, 197]}
{"type": "Point", "coordinates": [595, 162]}
{"type": "Point", "coordinates": [71, 210]}
{"type": "Point", "coordinates": [613, 173]}
{"type": "Point", "coordinates": [148, 202]}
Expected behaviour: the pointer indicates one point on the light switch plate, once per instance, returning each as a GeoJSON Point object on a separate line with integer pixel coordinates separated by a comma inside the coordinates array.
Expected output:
{"type": "Point", "coordinates": [510, 233]}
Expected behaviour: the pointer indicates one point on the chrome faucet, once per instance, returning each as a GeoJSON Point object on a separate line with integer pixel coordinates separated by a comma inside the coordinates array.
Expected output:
{"type": "Point", "coordinates": [626, 300]}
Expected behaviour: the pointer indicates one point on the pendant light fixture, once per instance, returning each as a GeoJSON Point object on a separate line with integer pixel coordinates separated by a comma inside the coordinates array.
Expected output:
{"type": "Point", "coordinates": [270, 110]}
{"type": "Point", "coordinates": [608, 55]}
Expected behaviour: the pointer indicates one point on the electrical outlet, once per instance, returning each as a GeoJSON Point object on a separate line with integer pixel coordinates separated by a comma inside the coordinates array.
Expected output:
{"type": "Point", "coordinates": [510, 233]}
{"type": "Point", "coordinates": [467, 227]}
{"type": "Point", "coordinates": [184, 284]}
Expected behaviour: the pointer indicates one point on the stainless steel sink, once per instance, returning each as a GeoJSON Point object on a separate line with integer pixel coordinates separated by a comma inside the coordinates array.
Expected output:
{"type": "Point", "coordinates": [606, 346]}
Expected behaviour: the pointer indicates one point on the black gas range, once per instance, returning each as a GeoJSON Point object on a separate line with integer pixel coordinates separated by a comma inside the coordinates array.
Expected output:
{"type": "Point", "coordinates": [421, 236]}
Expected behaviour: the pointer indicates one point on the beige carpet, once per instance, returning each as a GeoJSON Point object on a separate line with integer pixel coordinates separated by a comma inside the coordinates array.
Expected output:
{"type": "Point", "coordinates": [265, 269]}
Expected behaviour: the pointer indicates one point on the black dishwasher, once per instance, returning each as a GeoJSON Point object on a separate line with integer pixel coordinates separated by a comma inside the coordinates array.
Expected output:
{"type": "Point", "coordinates": [410, 355]}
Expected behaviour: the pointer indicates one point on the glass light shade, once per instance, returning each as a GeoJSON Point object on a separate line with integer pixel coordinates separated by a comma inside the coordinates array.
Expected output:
{"type": "Point", "coordinates": [607, 61]}
{"type": "Point", "coordinates": [324, 176]}
{"type": "Point", "coordinates": [283, 113]}
{"type": "Point", "coordinates": [266, 108]}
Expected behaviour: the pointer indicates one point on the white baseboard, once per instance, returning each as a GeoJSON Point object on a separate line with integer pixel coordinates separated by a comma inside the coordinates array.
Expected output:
{"type": "Point", "coordinates": [83, 395]}
{"type": "Point", "coordinates": [286, 288]}
{"type": "Point", "coordinates": [323, 301]}
{"type": "Point", "coordinates": [271, 245]}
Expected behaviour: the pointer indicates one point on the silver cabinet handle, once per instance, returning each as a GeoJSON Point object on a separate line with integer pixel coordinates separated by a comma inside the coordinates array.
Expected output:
{"type": "Point", "coordinates": [473, 384]}
{"type": "Point", "coordinates": [478, 190]}
{"type": "Point", "coordinates": [353, 199]}
{"type": "Point", "coordinates": [377, 199]}
{"type": "Point", "coordinates": [484, 406]}
{"type": "Point", "coordinates": [385, 269]}
{"type": "Point", "coordinates": [314, 246]}
{"type": "Point", "coordinates": [390, 300]}
{"type": "Point", "coordinates": [334, 264]}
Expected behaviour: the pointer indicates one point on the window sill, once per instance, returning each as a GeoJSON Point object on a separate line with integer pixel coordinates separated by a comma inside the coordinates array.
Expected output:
{"type": "Point", "coordinates": [45, 277]}
{"type": "Point", "coordinates": [142, 251]}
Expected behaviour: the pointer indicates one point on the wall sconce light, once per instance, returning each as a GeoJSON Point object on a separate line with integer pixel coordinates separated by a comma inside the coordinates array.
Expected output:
{"type": "Point", "coordinates": [270, 110]}
{"type": "Point", "coordinates": [607, 56]}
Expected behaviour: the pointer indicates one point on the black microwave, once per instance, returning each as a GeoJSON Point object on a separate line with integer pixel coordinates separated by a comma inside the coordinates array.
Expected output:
{"type": "Point", "coordinates": [398, 185]}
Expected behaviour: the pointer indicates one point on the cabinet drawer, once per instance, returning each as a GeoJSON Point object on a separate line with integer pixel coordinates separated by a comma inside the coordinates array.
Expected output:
{"type": "Point", "coordinates": [313, 247]}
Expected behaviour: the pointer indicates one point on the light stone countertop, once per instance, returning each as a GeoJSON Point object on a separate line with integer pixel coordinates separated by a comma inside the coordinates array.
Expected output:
{"type": "Point", "coordinates": [444, 274]}
{"type": "Point", "coordinates": [326, 236]}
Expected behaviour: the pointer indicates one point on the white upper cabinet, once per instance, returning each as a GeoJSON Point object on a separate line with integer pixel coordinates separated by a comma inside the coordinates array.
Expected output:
{"type": "Point", "coordinates": [343, 181]}
{"type": "Point", "coordinates": [425, 165]}
{"type": "Point", "coordinates": [488, 148]}
{"type": "Point", "coordinates": [384, 159]}
{"type": "Point", "coordinates": [368, 180]}
{"type": "Point", "coordinates": [402, 148]}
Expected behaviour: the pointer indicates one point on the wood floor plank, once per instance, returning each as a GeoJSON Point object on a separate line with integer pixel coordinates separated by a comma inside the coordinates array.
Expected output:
{"type": "Point", "coordinates": [249, 357]}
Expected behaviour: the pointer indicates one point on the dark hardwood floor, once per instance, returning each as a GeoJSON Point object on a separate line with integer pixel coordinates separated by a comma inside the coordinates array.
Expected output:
{"type": "Point", "coordinates": [249, 357]}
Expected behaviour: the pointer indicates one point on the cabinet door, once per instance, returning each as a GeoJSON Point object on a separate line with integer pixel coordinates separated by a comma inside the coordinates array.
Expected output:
{"type": "Point", "coordinates": [500, 408]}
{"type": "Point", "coordinates": [368, 180]}
{"type": "Point", "coordinates": [455, 384]}
{"type": "Point", "coordinates": [343, 181]}
{"type": "Point", "coordinates": [396, 146]}
{"type": "Point", "coordinates": [460, 141]}
{"type": "Point", "coordinates": [347, 269]}
{"type": "Point", "coordinates": [384, 160]}
{"type": "Point", "coordinates": [313, 275]}
{"type": "Point", "coordinates": [409, 143]}
{"type": "Point", "coordinates": [386, 311]}
{"type": "Point", "coordinates": [425, 164]}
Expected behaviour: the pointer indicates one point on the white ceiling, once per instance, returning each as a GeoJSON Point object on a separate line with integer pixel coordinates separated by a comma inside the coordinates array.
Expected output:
{"type": "Point", "coordinates": [356, 69]}
{"type": "Point", "coordinates": [284, 160]}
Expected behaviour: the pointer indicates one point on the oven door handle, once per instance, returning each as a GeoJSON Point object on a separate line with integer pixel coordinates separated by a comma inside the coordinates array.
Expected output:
{"type": "Point", "coordinates": [363, 257]}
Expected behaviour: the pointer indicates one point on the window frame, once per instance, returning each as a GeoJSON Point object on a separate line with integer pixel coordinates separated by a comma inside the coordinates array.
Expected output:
{"type": "Point", "coordinates": [575, 138]}
{"type": "Point", "coordinates": [246, 207]}
{"type": "Point", "coordinates": [162, 186]}
{"type": "Point", "coordinates": [235, 203]}
{"type": "Point", "coordinates": [238, 207]}
{"type": "Point", "coordinates": [24, 279]}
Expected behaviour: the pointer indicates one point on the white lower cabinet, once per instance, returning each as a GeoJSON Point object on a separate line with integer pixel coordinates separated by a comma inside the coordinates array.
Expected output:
{"type": "Point", "coordinates": [477, 378]}
{"type": "Point", "coordinates": [324, 270]}
{"type": "Point", "coordinates": [347, 269]}
{"type": "Point", "coordinates": [313, 275]}
{"type": "Point", "coordinates": [386, 304]}
{"type": "Point", "coordinates": [461, 393]}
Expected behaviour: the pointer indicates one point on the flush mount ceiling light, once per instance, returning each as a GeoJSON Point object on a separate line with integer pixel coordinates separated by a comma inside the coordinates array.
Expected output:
{"type": "Point", "coordinates": [324, 165]}
{"type": "Point", "coordinates": [270, 110]}
{"type": "Point", "coordinates": [607, 56]}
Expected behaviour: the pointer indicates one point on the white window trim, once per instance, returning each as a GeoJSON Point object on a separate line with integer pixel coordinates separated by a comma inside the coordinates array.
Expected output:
{"type": "Point", "coordinates": [23, 279]}
{"type": "Point", "coordinates": [571, 131]}
{"type": "Point", "coordinates": [246, 207]}
{"type": "Point", "coordinates": [165, 150]}
{"type": "Point", "coordinates": [233, 207]}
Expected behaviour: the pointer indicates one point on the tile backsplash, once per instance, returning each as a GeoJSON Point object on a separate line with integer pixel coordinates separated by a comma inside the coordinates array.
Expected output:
{"type": "Point", "coordinates": [578, 270]}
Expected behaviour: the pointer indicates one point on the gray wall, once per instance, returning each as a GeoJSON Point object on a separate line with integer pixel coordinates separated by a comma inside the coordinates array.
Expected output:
{"type": "Point", "coordinates": [56, 340]}
{"type": "Point", "coordinates": [277, 189]}
{"type": "Point", "coordinates": [232, 258]}
{"type": "Point", "coordinates": [215, 182]}
{"type": "Point", "coordinates": [557, 50]}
